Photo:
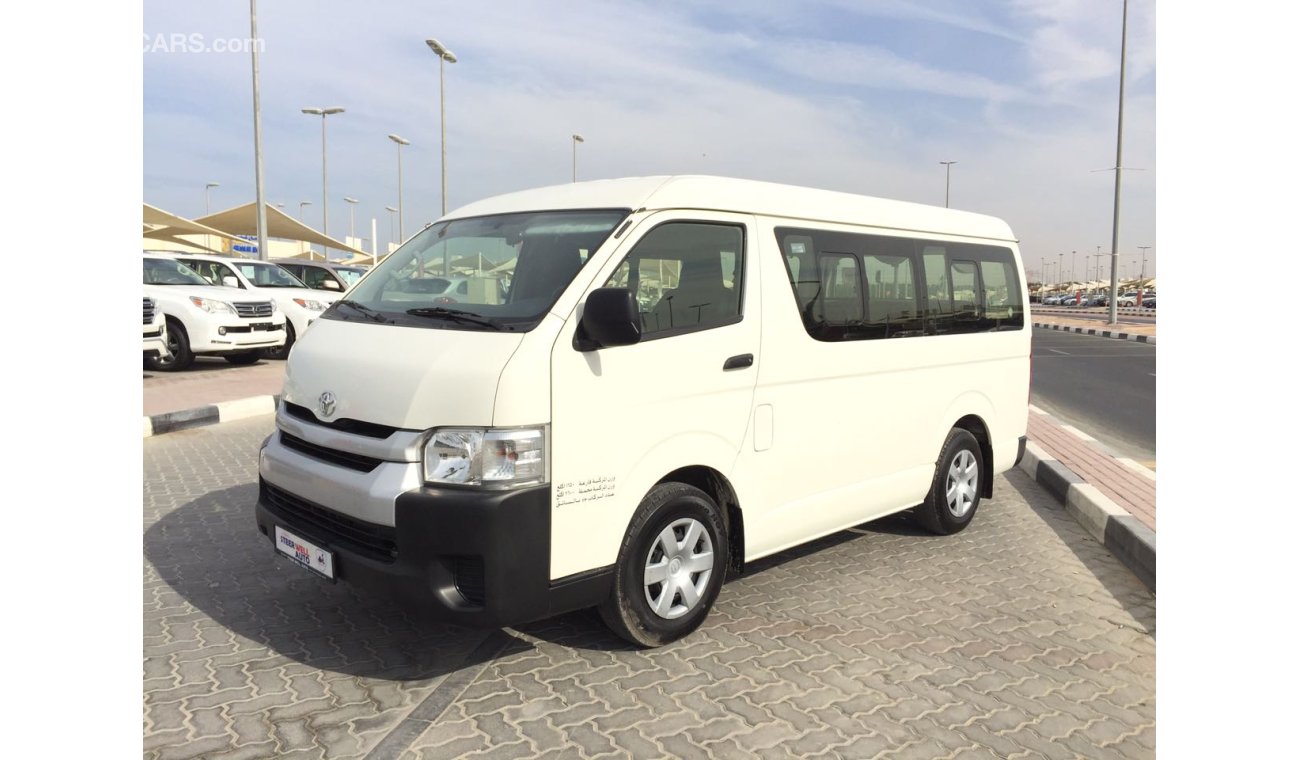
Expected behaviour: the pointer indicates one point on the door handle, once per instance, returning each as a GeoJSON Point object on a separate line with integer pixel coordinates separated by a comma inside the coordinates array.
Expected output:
{"type": "Point", "coordinates": [738, 362]}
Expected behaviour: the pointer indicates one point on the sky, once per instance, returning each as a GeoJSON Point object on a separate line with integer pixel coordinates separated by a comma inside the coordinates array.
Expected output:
{"type": "Point", "coordinates": [863, 96]}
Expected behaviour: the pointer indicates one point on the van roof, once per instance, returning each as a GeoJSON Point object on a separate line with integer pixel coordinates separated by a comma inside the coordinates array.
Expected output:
{"type": "Point", "coordinates": [743, 196]}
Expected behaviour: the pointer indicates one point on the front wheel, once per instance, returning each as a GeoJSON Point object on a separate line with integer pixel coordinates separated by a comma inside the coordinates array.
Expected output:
{"type": "Point", "coordinates": [670, 567]}
{"type": "Point", "coordinates": [955, 492]}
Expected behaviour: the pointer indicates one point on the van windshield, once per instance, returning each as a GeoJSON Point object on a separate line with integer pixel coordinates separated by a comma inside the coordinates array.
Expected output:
{"type": "Point", "coordinates": [500, 272]}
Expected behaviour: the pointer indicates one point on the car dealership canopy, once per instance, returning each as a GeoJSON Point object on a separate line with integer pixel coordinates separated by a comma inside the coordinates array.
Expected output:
{"type": "Point", "coordinates": [236, 226]}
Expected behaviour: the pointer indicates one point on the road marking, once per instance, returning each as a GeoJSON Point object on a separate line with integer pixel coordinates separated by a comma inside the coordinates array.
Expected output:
{"type": "Point", "coordinates": [1066, 353]}
{"type": "Point", "coordinates": [1151, 374]}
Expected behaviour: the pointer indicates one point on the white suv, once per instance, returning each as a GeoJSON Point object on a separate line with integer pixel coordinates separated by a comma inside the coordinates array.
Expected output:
{"type": "Point", "coordinates": [263, 279]}
{"type": "Point", "coordinates": [203, 320]}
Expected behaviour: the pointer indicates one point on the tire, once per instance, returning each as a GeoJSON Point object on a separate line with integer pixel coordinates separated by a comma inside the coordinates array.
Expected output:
{"type": "Point", "coordinates": [282, 352]}
{"type": "Point", "coordinates": [249, 357]}
{"type": "Point", "coordinates": [654, 614]}
{"type": "Point", "coordinates": [178, 342]}
{"type": "Point", "coordinates": [961, 467]}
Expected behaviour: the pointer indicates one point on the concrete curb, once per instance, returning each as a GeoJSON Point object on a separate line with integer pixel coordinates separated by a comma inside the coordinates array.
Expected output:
{"type": "Point", "coordinates": [225, 411]}
{"type": "Point", "coordinates": [1095, 331]}
{"type": "Point", "coordinates": [1121, 533]}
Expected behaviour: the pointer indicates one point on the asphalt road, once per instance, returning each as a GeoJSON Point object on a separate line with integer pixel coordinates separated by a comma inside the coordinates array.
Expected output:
{"type": "Point", "coordinates": [1102, 386]}
{"type": "Point", "coordinates": [1021, 636]}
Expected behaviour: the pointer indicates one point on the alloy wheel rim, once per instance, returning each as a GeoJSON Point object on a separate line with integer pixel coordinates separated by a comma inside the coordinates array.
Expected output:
{"type": "Point", "coordinates": [678, 568]}
{"type": "Point", "coordinates": [963, 483]}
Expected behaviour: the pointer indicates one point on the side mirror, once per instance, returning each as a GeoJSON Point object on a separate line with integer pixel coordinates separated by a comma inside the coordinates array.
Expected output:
{"type": "Point", "coordinates": [331, 285]}
{"type": "Point", "coordinates": [230, 281]}
{"type": "Point", "coordinates": [609, 319]}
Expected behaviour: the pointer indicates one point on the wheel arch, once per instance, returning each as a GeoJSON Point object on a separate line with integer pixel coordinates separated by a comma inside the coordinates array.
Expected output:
{"type": "Point", "coordinates": [719, 488]}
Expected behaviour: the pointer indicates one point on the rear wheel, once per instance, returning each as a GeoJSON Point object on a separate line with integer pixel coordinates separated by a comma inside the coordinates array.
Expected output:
{"type": "Point", "coordinates": [955, 492]}
{"type": "Point", "coordinates": [178, 342]}
{"type": "Point", "coordinates": [670, 567]}
{"type": "Point", "coordinates": [282, 352]}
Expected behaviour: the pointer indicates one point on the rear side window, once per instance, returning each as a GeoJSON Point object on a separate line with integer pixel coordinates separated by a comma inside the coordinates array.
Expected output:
{"type": "Point", "coordinates": [686, 276]}
{"type": "Point", "coordinates": [853, 287]}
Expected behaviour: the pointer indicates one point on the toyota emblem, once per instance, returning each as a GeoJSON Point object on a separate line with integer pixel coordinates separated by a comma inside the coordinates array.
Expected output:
{"type": "Point", "coordinates": [326, 404]}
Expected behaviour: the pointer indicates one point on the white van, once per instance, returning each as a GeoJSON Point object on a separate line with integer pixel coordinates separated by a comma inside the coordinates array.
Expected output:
{"type": "Point", "coordinates": [685, 374]}
{"type": "Point", "coordinates": [264, 279]}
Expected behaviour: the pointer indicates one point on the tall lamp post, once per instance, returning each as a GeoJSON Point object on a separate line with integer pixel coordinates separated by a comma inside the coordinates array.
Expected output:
{"type": "Point", "coordinates": [352, 216]}
{"type": "Point", "coordinates": [324, 169]}
{"type": "Point", "coordinates": [1060, 265]}
{"type": "Point", "coordinates": [445, 56]}
{"type": "Point", "coordinates": [390, 211]}
{"type": "Point", "coordinates": [947, 180]}
{"type": "Point", "coordinates": [301, 206]}
{"type": "Point", "coordinates": [401, 224]}
{"type": "Point", "coordinates": [1112, 317]}
{"type": "Point", "coordinates": [207, 207]}
{"type": "Point", "coordinates": [576, 139]}
{"type": "Point", "coordinates": [262, 252]}
{"type": "Point", "coordinates": [1143, 249]}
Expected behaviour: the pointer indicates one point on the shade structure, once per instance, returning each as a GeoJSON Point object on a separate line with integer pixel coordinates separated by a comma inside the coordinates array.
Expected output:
{"type": "Point", "coordinates": [242, 220]}
{"type": "Point", "coordinates": [164, 225]}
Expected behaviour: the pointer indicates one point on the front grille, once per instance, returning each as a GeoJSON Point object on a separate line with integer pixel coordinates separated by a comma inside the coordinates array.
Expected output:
{"type": "Point", "coordinates": [377, 542]}
{"type": "Point", "coordinates": [333, 456]}
{"type": "Point", "coordinates": [469, 579]}
{"type": "Point", "coordinates": [254, 328]}
{"type": "Point", "coordinates": [148, 311]}
{"type": "Point", "coordinates": [251, 309]}
{"type": "Point", "coordinates": [357, 427]}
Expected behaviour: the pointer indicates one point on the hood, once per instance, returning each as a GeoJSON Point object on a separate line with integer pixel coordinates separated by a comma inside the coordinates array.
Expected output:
{"type": "Point", "coordinates": [228, 295]}
{"type": "Point", "coordinates": [307, 294]}
{"type": "Point", "coordinates": [406, 377]}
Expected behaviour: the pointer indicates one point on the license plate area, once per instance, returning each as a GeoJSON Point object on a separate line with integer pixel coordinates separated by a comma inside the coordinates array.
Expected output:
{"type": "Point", "coordinates": [305, 553]}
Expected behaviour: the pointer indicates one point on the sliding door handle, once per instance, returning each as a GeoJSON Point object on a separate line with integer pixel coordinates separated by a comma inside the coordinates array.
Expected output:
{"type": "Point", "coordinates": [738, 362]}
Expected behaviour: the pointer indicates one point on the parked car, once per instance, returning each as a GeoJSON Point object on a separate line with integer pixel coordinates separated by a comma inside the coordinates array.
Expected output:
{"type": "Point", "coordinates": [319, 275]}
{"type": "Point", "coordinates": [202, 320]}
{"type": "Point", "coordinates": [263, 279]}
{"type": "Point", "coordinates": [1149, 302]}
{"type": "Point", "coordinates": [1128, 299]}
{"type": "Point", "coordinates": [155, 331]}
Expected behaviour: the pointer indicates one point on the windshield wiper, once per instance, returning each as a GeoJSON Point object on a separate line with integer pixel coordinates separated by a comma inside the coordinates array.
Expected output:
{"type": "Point", "coordinates": [366, 311]}
{"type": "Point", "coordinates": [456, 314]}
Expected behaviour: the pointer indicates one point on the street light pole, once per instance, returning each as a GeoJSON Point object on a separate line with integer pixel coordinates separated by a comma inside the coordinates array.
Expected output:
{"type": "Point", "coordinates": [352, 216]}
{"type": "Point", "coordinates": [391, 211]}
{"type": "Point", "coordinates": [207, 207]}
{"type": "Point", "coordinates": [1143, 249]}
{"type": "Point", "coordinates": [576, 139]}
{"type": "Point", "coordinates": [324, 169]}
{"type": "Point", "coordinates": [262, 253]}
{"type": "Point", "coordinates": [1074, 259]}
{"type": "Point", "coordinates": [947, 180]}
{"type": "Point", "coordinates": [302, 204]}
{"type": "Point", "coordinates": [445, 56]}
{"type": "Point", "coordinates": [401, 223]}
{"type": "Point", "coordinates": [1119, 167]}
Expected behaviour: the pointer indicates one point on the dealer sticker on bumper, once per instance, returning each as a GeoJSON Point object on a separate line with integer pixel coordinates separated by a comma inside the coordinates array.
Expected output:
{"type": "Point", "coordinates": [304, 552]}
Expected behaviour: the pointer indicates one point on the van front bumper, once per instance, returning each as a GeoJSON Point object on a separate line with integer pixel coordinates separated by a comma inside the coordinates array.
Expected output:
{"type": "Point", "coordinates": [474, 558]}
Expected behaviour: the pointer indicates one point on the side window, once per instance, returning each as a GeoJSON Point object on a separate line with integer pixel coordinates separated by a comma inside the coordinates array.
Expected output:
{"type": "Point", "coordinates": [686, 276]}
{"type": "Point", "coordinates": [891, 296]}
{"type": "Point", "coordinates": [968, 309]}
{"type": "Point", "coordinates": [841, 294]}
{"type": "Point", "coordinates": [938, 293]}
{"type": "Point", "coordinates": [1003, 309]}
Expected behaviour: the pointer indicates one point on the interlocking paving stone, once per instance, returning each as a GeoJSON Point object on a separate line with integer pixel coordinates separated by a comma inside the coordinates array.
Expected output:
{"type": "Point", "coordinates": [1019, 637]}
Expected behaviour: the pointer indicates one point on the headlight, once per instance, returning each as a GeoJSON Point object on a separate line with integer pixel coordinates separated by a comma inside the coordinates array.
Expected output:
{"type": "Point", "coordinates": [309, 304]}
{"type": "Point", "coordinates": [211, 306]}
{"type": "Point", "coordinates": [486, 457]}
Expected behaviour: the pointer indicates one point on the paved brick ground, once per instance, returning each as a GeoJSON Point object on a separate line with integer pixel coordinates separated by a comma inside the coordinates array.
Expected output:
{"type": "Point", "coordinates": [1020, 637]}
